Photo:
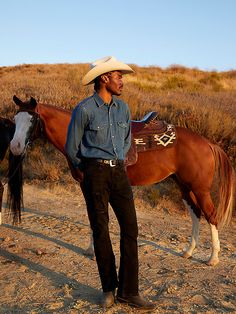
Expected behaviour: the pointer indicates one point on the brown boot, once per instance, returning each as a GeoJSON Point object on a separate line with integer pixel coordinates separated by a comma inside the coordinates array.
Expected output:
{"type": "Point", "coordinates": [137, 301]}
{"type": "Point", "coordinates": [107, 299]}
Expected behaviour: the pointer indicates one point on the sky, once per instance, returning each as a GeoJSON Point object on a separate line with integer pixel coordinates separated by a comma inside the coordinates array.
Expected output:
{"type": "Point", "coordinates": [192, 33]}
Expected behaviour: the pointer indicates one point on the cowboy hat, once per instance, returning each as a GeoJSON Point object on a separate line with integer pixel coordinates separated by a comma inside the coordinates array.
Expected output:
{"type": "Point", "coordinates": [105, 65]}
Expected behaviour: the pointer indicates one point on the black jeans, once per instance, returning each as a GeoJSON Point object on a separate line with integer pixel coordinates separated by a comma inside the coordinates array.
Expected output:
{"type": "Point", "coordinates": [102, 185]}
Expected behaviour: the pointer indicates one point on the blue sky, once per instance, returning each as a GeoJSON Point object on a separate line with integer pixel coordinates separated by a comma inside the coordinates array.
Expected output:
{"type": "Point", "coordinates": [192, 33]}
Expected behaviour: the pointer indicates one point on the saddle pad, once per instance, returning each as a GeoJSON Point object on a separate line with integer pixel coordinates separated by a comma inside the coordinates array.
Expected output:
{"type": "Point", "coordinates": [155, 136]}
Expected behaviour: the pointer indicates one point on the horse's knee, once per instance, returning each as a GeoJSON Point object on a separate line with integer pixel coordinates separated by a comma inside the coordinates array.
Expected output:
{"type": "Point", "coordinates": [208, 208]}
{"type": "Point", "coordinates": [210, 216]}
{"type": "Point", "coordinates": [213, 220]}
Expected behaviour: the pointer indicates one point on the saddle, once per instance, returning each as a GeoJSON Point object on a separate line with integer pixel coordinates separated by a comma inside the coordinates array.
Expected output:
{"type": "Point", "coordinates": [149, 134]}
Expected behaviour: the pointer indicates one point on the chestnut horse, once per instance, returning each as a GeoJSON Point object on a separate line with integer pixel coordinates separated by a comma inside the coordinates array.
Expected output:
{"type": "Point", "coordinates": [14, 173]}
{"type": "Point", "coordinates": [194, 161]}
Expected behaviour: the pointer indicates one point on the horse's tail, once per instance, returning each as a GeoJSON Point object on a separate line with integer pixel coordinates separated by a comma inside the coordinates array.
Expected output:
{"type": "Point", "coordinates": [226, 177]}
{"type": "Point", "coordinates": [15, 187]}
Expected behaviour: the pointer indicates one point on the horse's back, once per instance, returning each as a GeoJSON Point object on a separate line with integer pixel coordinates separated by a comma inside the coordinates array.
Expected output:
{"type": "Point", "coordinates": [192, 145]}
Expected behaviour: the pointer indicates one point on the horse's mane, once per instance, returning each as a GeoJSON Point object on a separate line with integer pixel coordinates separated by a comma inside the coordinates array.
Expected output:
{"type": "Point", "coordinates": [56, 108]}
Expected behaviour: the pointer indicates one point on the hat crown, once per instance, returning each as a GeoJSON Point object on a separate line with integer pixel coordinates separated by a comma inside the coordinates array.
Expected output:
{"type": "Point", "coordinates": [102, 61]}
{"type": "Point", "coordinates": [105, 65]}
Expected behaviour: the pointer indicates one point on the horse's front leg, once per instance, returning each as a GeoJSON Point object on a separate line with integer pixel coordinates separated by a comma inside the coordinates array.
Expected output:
{"type": "Point", "coordinates": [214, 259]}
{"type": "Point", "coordinates": [188, 252]}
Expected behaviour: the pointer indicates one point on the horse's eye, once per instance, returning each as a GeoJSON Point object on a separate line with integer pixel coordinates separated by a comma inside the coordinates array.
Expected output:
{"type": "Point", "coordinates": [32, 119]}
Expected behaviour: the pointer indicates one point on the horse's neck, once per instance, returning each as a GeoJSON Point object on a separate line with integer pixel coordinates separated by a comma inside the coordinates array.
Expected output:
{"type": "Point", "coordinates": [56, 121]}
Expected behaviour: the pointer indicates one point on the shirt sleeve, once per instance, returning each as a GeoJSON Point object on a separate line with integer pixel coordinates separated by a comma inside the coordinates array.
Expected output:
{"type": "Point", "coordinates": [127, 142]}
{"type": "Point", "coordinates": [75, 134]}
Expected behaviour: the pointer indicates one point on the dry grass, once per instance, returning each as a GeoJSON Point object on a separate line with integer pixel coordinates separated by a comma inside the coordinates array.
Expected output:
{"type": "Point", "coordinates": [202, 101]}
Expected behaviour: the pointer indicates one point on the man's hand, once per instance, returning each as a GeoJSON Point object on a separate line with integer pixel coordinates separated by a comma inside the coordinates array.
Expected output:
{"type": "Point", "coordinates": [76, 173]}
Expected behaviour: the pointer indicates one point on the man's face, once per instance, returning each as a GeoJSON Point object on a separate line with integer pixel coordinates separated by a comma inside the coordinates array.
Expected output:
{"type": "Point", "coordinates": [115, 83]}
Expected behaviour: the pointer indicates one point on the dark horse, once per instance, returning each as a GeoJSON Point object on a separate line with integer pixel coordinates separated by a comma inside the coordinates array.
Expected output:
{"type": "Point", "coordinates": [14, 173]}
{"type": "Point", "coordinates": [194, 161]}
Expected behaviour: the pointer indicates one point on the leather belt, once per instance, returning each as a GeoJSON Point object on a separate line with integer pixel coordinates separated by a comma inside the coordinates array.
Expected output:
{"type": "Point", "coordinates": [110, 162]}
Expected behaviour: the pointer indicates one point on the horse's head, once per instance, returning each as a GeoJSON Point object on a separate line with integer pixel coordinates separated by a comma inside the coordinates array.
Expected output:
{"type": "Point", "coordinates": [27, 122]}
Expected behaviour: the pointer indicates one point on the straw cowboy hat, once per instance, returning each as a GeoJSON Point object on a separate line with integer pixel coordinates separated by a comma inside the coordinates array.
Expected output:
{"type": "Point", "coordinates": [105, 65]}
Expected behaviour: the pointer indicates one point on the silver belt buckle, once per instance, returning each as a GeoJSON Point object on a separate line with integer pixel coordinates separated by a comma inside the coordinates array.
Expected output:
{"type": "Point", "coordinates": [111, 163]}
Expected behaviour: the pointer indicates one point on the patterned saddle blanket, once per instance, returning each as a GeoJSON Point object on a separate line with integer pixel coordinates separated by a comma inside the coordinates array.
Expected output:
{"type": "Point", "coordinates": [150, 134]}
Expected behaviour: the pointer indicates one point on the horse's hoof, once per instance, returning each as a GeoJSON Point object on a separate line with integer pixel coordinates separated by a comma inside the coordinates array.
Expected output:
{"type": "Point", "coordinates": [212, 262]}
{"type": "Point", "coordinates": [186, 255]}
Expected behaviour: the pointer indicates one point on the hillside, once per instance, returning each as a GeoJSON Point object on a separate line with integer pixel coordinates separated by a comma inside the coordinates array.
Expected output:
{"type": "Point", "coordinates": [202, 101]}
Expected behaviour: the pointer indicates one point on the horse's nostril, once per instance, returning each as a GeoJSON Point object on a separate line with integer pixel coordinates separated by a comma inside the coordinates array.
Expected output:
{"type": "Point", "coordinates": [18, 145]}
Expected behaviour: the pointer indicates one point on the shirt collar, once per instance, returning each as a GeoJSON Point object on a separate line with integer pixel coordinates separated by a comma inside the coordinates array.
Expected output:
{"type": "Point", "coordinates": [99, 101]}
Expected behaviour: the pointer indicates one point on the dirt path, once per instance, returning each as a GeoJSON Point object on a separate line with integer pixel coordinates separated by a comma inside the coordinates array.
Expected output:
{"type": "Point", "coordinates": [44, 269]}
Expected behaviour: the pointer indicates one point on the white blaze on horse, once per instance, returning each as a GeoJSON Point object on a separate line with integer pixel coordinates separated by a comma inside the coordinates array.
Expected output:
{"type": "Point", "coordinates": [194, 161]}
{"type": "Point", "coordinates": [23, 124]}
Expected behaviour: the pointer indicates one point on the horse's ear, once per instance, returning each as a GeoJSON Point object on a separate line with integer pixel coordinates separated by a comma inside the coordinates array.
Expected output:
{"type": "Point", "coordinates": [17, 101]}
{"type": "Point", "coordinates": [33, 102]}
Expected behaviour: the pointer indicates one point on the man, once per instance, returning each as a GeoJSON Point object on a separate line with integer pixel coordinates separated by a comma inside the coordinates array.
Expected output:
{"type": "Point", "coordinates": [99, 137]}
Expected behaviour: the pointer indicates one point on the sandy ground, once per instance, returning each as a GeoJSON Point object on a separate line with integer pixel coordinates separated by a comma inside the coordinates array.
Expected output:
{"type": "Point", "coordinates": [44, 268]}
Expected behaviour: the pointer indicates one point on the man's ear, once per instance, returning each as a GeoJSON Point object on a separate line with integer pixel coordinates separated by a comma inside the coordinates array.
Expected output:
{"type": "Point", "coordinates": [104, 78]}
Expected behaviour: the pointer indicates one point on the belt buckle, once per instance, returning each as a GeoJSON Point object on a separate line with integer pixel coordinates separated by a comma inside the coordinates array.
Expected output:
{"type": "Point", "coordinates": [111, 163]}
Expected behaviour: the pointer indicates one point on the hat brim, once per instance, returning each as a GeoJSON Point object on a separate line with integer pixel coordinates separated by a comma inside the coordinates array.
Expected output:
{"type": "Point", "coordinates": [104, 68]}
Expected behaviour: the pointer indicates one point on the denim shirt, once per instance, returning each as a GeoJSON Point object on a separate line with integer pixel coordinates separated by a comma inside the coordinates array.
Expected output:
{"type": "Point", "coordinates": [98, 130]}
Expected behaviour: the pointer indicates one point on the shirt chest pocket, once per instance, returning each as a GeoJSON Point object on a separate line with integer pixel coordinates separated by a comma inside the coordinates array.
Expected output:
{"type": "Point", "coordinates": [97, 133]}
{"type": "Point", "coordinates": [122, 129]}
